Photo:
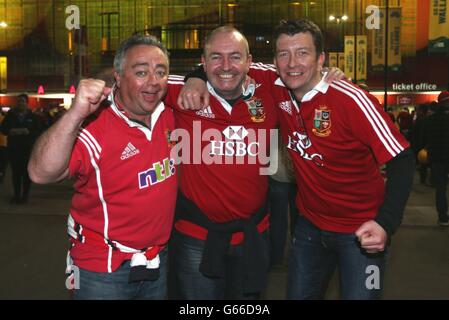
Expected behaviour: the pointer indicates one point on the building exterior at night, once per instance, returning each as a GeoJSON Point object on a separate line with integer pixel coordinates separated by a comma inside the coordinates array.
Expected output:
{"type": "Point", "coordinates": [38, 46]}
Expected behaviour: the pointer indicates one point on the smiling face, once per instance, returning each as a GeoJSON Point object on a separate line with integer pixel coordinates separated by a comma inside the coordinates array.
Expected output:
{"type": "Point", "coordinates": [143, 81]}
{"type": "Point", "coordinates": [226, 61]}
{"type": "Point", "coordinates": [298, 63]}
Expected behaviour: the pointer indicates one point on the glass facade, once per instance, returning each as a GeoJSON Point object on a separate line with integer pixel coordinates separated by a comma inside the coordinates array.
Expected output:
{"type": "Point", "coordinates": [41, 49]}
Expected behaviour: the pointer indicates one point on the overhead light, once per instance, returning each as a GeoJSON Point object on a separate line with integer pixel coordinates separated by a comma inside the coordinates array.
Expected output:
{"type": "Point", "coordinates": [331, 18]}
{"type": "Point", "coordinates": [344, 17]}
{"type": "Point", "coordinates": [40, 90]}
{"type": "Point", "coordinates": [232, 4]}
{"type": "Point", "coordinates": [3, 24]}
{"type": "Point", "coordinates": [295, 3]}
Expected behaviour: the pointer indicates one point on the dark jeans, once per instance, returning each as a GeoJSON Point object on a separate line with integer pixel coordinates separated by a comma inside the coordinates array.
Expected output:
{"type": "Point", "coordinates": [115, 286]}
{"type": "Point", "coordinates": [440, 170]}
{"type": "Point", "coordinates": [190, 284]}
{"type": "Point", "coordinates": [282, 201]}
{"type": "Point", "coordinates": [20, 178]}
{"type": "Point", "coordinates": [314, 256]}
{"type": "Point", "coordinates": [423, 173]}
{"type": "Point", "coordinates": [3, 163]}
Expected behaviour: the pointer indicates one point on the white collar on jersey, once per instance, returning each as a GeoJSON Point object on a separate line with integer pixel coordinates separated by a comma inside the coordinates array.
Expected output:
{"type": "Point", "coordinates": [322, 87]}
{"type": "Point", "coordinates": [246, 94]}
{"type": "Point", "coordinates": [154, 116]}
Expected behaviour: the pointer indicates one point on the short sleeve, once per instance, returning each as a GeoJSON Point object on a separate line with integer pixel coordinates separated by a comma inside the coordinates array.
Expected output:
{"type": "Point", "coordinates": [372, 125]}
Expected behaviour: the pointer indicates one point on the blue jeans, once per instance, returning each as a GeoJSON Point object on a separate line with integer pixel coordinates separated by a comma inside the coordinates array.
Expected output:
{"type": "Point", "coordinates": [316, 253]}
{"type": "Point", "coordinates": [190, 284]}
{"type": "Point", "coordinates": [440, 171]}
{"type": "Point", "coordinates": [115, 286]}
{"type": "Point", "coordinates": [282, 201]}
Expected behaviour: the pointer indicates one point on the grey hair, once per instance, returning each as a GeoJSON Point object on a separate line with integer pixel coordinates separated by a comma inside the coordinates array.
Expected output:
{"type": "Point", "coordinates": [133, 41]}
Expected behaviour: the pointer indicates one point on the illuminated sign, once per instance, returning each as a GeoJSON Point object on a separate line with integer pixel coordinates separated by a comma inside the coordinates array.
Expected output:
{"type": "Point", "coordinates": [423, 86]}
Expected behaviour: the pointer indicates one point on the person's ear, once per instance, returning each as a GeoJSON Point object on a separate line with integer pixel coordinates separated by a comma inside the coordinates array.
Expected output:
{"type": "Point", "coordinates": [203, 62]}
{"type": "Point", "coordinates": [276, 65]}
{"type": "Point", "coordinates": [117, 79]}
{"type": "Point", "coordinates": [321, 60]}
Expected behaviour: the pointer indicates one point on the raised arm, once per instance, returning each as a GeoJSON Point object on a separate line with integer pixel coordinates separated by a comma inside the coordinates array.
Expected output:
{"type": "Point", "coordinates": [50, 157]}
{"type": "Point", "coordinates": [194, 95]}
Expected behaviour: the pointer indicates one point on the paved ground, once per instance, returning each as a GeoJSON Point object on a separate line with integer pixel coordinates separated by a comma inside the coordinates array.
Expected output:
{"type": "Point", "coordinates": [34, 245]}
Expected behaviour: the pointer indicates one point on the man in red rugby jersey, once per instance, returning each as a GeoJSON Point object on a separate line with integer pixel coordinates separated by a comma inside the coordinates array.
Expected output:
{"type": "Point", "coordinates": [114, 143]}
{"type": "Point", "coordinates": [220, 247]}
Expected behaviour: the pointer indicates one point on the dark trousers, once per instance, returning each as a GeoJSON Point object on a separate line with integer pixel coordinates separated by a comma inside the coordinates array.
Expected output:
{"type": "Point", "coordinates": [188, 283]}
{"type": "Point", "coordinates": [3, 163]}
{"type": "Point", "coordinates": [315, 254]}
{"type": "Point", "coordinates": [423, 173]}
{"type": "Point", "coordinates": [115, 285]}
{"type": "Point", "coordinates": [20, 178]}
{"type": "Point", "coordinates": [440, 170]}
{"type": "Point", "coordinates": [282, 201]}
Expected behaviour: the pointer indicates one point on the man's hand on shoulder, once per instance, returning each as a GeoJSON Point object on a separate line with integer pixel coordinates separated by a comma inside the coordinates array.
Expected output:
{"type": "Point", "coordinates": [333, 74]}
{"type": "Point", "coordinates": [194, 95]}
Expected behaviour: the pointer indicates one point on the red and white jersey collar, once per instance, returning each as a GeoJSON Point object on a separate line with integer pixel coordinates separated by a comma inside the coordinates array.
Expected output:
{"type": "Point", "coordinates": [322, 87]}
{"type": "Point", "coordinates": [121, 113]}
{"type": "Point", "coordinates": [246, 93]}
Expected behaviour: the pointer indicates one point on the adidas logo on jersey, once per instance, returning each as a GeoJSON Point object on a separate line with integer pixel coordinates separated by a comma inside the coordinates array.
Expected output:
{"type": "Point", "coordinates": [206, 113]}
{"type": "Point", "coordinates": [129, 151]}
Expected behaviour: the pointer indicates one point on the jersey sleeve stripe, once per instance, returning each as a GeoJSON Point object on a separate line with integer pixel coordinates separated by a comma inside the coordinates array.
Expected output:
{"type": "Point", "coordinates": [266, 65]}
{"type": "Point", "coordinates": [368, 117]}
{"type": "Point", "coordinates": [383, 125]}
{"type": "Point", "coordinates": [260, 66]}
{"type": "Point", "coordinates": [176, 82]}
{"type": "Point", "coordinates": [100, 196]}
{"type": "Point", "coordinates": [85, 139]}
{"type": "Point", "coordinates": [175, 77]}
{"type": "Point", "coordinates": [97, 145]}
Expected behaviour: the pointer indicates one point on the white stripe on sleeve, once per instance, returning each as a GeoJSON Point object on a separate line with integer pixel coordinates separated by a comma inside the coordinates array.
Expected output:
{"type": "Point", "coordinates": [372, 119]}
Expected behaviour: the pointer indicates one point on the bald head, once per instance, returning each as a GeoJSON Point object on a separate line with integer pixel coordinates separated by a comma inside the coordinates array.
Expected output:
{"type": "Point", "coordinates": [237, 35]}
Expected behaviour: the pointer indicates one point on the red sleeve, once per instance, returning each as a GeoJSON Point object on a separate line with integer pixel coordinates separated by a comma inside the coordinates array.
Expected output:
{"type": "Point", "coordinates": [87, 149]}
{"type": "Point", "coordinates": [175, 84]}
{"type": "Point", "coordinates": [263, 73]}
{"type": "Point", "coordinates": [370, 123]}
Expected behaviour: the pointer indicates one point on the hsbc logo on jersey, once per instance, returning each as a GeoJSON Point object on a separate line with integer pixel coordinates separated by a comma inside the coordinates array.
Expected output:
{"type": "Point", "coordinates": [300, 142]}
{"type": "Point", "coordinates": [235, 132]}
{"type": "Point", "coordinates": [234, 145]}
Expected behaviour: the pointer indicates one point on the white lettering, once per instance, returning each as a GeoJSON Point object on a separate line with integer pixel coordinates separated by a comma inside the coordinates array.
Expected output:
{"type": "Point", "coordinates": [240, 149]}
{"type": "Point", "coordinates": [373, 280]}
{"type": "Point", "coordinates": [73, 20]}
{"type": "Point", "coordinates": [373, 20]}
{"type": "Point", "coordinates": [216, 148]}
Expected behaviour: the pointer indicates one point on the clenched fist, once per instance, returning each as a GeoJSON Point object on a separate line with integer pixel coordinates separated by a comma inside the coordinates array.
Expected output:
{"type": "Point", "coordinates": [89, 95]}
{"type": "Point", "coordinates": [372, 237]}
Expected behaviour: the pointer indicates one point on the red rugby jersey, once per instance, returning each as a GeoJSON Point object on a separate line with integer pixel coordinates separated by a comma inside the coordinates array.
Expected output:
{"type": "Point", "coordinates": [338, 136]}
{"type": "Point", "coordinates": [223, 151]}
{"type": "Point", "coordinates": [125, 188]}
